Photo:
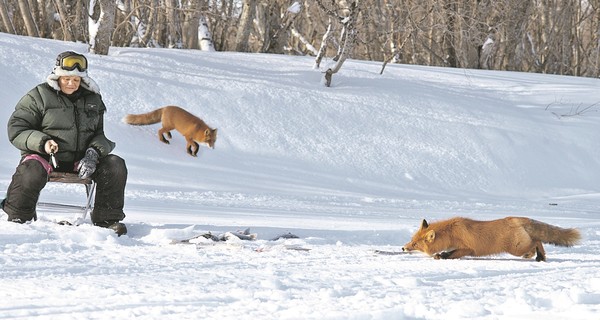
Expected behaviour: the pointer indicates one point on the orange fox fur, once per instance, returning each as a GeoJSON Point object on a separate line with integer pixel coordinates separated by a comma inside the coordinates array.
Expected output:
{"type": "Point", "coordinates": [459, 237]}
{"type": "Point", "coordinates": [191, 127]}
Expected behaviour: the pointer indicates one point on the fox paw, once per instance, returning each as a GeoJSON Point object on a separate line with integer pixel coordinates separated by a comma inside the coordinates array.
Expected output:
{"type": "Point", "coordinates": [442, 255]}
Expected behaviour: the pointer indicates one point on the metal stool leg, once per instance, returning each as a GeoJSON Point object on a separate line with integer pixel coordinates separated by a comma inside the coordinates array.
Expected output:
{"type": "Point", "coordinates": [90, 190]}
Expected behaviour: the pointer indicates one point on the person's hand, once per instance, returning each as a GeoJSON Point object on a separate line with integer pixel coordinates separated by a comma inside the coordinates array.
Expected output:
{"type": "Point", "coordinates": [51, 146]}
{"type": "Point", "coordinates": [87, 165]}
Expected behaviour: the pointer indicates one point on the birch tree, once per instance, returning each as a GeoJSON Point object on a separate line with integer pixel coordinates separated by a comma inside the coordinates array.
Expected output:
{"type": "Point", "coordinates": [548, 36]}
{"type": "Point", "coordinates": [101, 24]}
{"type": "Point", "coordinates": [348, 36]}
{"type": "Point", "coordinates": [206, 41]}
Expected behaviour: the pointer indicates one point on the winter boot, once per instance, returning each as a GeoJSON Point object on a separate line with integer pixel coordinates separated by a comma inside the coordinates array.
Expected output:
{"type": "Point", "coordinates": [118, 227]}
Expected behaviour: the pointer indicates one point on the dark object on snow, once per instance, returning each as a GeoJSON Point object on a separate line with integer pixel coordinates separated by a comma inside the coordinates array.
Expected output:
{"type": "Point", "coordinates": [242, 235]}
{"type": "Point", "coordinates": [285, 236]}
{"type": "Point", "coordinates": [118, 227]}
{"type": "Point", "coordinates": [391, 253]}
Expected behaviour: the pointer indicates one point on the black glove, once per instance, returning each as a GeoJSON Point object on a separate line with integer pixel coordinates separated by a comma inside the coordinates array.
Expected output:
{"type": "Point", "coordinates": [87, 165]}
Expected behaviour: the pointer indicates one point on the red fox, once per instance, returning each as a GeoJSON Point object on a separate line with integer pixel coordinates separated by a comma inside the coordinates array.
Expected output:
{"type": "Point", "coordinates": [191, 127]}
{"type": "Point", "coordinates": [458, 237]}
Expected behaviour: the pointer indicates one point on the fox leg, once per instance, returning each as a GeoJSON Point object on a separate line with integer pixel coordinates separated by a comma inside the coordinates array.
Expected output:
{"type": "Point", "coordinates": [192, 148]}
{"type": "Point", "coordinates": [535, 248]}
{"type": "Point", "coordinates": [531, 253]}
{"type": "Point", "coordinates": [161, 135]}
{"type": "Point", "coordinates": [541, 254]}
{"type": "Point", "coordinates": [454, 254]}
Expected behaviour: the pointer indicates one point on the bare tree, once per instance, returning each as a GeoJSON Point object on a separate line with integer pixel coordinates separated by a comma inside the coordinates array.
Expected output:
{"type": "Point", "coordinates": [323, 48]}
{"type": "Point", "coordinates": [206, 41]}
{"type": "Point", "coordinates": [278, 24]}
{"type": "Point", "coordinates": [147, 19]}
{"type": "Point", "coordinates": [30, 25]}
{"type": "Point", "coordinates": [245, 25]}
{"type": "Point", "coordinates": [63, 19]}
{"type": "Point", "coordinates": [549, 36]}
{"type": "Point", "coordinates": [6, 20]}
{"type": "Point", "coordinates": [191, 23]}
{"type": "Point", "coordinates": [124, 31]}
{"type": "Point", "coordinates": [102, 18]}
{"type": "Point", "coordinates": [348, 36]}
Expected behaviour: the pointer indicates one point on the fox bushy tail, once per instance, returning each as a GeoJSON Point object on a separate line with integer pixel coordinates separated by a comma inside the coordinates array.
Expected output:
{"type": "Point", "coordinates": [151, 117]}
{"type": "Point", "coordinates": [557, 236]}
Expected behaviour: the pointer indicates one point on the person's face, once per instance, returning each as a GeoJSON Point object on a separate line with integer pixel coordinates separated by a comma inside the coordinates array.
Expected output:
{"type": "Point", "coordinates": [69, 84]}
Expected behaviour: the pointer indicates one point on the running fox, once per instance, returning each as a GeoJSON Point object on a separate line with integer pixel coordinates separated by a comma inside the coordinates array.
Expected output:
{"type": "Point", "coordinates": [458, 237]}
{"type": "Point", "coordinates": [191, 127]}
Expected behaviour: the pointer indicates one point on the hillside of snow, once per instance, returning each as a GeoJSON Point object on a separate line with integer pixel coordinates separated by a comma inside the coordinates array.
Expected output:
{"type": "Point", "coordinates": [349, 169]}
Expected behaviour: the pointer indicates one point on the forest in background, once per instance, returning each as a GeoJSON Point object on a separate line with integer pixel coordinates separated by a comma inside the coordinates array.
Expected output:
{"type": "Point", "coordinates": [546, 36]}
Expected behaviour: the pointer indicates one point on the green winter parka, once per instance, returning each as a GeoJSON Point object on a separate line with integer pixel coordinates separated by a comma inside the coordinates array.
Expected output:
{"type": "Point", "coordinates": [75, 123]}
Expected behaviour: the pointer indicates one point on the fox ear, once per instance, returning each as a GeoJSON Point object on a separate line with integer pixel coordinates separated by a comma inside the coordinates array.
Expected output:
{"type": "Point", "coordinates": [430, 236]}
{"type": "Point", "coordinates": [207, 132]}
{"type": "Point", "coordinates": [424, 224]}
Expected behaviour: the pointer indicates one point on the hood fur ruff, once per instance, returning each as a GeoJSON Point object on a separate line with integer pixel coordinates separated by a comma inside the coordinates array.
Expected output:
{"type": "Point", "coordinates": [86, 81]}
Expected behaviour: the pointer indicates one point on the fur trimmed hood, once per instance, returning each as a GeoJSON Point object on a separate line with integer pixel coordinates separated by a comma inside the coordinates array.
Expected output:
{"type": "Point", "coordinates": [86, 81]}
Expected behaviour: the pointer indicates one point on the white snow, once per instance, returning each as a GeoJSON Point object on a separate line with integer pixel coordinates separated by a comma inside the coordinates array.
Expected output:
{"type": "Point", "coordinates": [295, 7]}
{"type": "Point", "coordinates": [350, 169]}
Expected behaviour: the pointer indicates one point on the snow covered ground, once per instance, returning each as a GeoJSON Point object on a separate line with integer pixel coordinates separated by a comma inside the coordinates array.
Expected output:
{"type": "Point", "coordinates": [349, 169]}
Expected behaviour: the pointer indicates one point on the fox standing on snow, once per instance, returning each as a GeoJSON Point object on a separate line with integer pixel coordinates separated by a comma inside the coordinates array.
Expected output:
{"type": "Point", "coordinates": [459, 237]}
{"type": "Point", "coordinates": [191, 127]}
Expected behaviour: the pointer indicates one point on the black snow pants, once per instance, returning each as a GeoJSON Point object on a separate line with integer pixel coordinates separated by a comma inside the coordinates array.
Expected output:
{"type": "Point", "coordinates": [31, 177]}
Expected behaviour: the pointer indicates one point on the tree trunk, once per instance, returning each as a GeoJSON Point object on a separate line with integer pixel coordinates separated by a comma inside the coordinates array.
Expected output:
{"type": "Point", "coordinates": [148, 26]}
{"type": "Point", "coordinates": [311, 49]}
{"type": "Point", "coordinates": [79, 26]}
{"type": "Point", "coordinates": [206, 41]}
{"type": "Point", "coordinates": [43, 19]}
{"type": "Point", "coordinates": [32, 30]}
{"type": "Point", "coordinates": [280, 29]}
{"type": "Point", "coordinates": [191, 25]}
{"type": "Point", "coordinates": [323, 48]}
{"type": "Point", "coordinates": [245, 25]}
{"type": "Point", "coordinates": [349, 39]}
{"type": "Point", "coordinates": [63, 18]}
{"type": "Point", "coordinates": [160, 30]}
{"type": "Point", "coordinates": [6, 20]}
{"type": "Point", "coordinates": [449, 37]}
{"type": "Point", "coordinates": [100, 40]}
{"type": "Point", "coordinates": [173, 40]}
{"type": "Point", "coordinates": [347, 48]}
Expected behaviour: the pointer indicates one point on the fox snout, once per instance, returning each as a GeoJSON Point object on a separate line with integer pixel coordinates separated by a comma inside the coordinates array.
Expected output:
{"type": "Point", "coordinates": [407, 247]}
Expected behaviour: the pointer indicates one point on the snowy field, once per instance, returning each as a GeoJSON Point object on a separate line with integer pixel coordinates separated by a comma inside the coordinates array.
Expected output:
{"type": "Point", "coordinates": [349, 169]}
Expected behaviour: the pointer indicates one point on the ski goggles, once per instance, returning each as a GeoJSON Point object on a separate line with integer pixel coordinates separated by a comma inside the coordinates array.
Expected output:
{"type": "Point", "coordinates": [71, 61]}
